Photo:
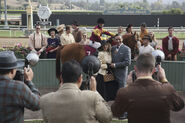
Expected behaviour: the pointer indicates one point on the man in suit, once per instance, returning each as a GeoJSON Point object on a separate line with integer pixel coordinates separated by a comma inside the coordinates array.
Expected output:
{"type": "Point", "coordinates": [71, 105]}
{"type": "Point", "coordinates": [147, 100]}
{"type": "Point", "coordinates": [121, 58]}
{"type": "Point", "coordinates": [170, 45]}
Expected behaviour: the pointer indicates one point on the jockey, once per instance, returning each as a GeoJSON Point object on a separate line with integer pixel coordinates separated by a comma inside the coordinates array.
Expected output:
{"type": "Point", "coordinates": [96, 36]}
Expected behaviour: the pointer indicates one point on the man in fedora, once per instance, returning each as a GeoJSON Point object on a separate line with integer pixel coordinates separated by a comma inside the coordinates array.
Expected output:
{"type": "Point", "coordinates": [60, 30]}
{"type": "Point", "coordinates": [146, 47]}
{"type": "Point", "coordinates": [77, 33]}
{"type": "Point", "coordinates": [15, 95]}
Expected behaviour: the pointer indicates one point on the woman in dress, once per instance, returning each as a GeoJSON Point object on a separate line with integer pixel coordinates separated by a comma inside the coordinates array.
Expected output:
{"type": "Point", "coordinates": [107, 90]}
{"type": "Point", "coordinates": [53, 43]}
{"type": "Point", "coordinates": [154, 41]}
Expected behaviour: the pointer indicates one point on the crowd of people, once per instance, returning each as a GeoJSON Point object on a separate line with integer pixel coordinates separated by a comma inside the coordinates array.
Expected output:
{"type": "Point", "coordinates": [143, 100]}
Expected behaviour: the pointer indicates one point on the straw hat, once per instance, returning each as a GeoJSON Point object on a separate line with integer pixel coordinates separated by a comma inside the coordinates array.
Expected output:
{"type": "Point", "coordinates": [60, 27]}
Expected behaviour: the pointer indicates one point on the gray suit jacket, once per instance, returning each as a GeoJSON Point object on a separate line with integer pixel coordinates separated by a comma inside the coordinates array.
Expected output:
{"type": "Point", "coordinates": [71, 105]}
{"type": "Point", "coordinates": [121, 58]}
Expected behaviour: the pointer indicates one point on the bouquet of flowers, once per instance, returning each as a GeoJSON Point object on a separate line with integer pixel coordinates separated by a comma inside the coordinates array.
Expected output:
{"type": "Point", "coordinates": [19, 50]}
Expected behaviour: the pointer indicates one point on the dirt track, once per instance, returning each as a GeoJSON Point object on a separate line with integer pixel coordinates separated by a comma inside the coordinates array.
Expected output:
{"type": "Point", "coordinates": [9, 42]}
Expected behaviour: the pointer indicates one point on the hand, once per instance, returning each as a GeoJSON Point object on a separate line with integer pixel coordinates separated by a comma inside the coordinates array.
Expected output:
{"type": "Point", "coordinates": [112, 65]}
{"type": "Point", "coordinates": [39, 52]}
{"type": "Point", "coordinates": [129, 78]}
{"type": "Point", "coordinates": [28, 74]}
{"type": "Point", "coordinates": [51, 51]}
{"type": "Point", "coordinates": [92, 84]}
{"type": "Point", "coordinates": [169, 56]}
{"type": "Point", "coordinates": [161, 73]}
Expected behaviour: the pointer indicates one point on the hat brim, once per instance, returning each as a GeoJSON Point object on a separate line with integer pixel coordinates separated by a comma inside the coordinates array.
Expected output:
{"type": "Point", "coordinates": [19, 65]}
{"type": "Point", "coordinates": [147, 39]}
{"type": "Point", "coordinates": [50, 30]}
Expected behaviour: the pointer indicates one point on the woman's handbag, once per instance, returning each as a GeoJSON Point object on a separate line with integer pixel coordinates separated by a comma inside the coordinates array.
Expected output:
{"type": "Point", "coordinates": [108, 77]}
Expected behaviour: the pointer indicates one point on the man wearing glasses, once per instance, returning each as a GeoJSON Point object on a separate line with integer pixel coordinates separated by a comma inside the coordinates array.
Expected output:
{"type": "Point", "coordinates": [38, 42]}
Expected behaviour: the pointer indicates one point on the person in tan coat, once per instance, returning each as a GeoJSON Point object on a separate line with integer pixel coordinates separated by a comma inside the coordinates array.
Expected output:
{"type": "Point", "coordinates": [71, 105]}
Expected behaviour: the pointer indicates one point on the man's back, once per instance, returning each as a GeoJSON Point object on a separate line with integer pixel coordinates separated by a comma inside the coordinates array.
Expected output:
{"type": "Point", "coordinates": [71, 105]}
{"type": "Point", "coordinates": [148, 101]}
{"type": "Point", "coordinates": [14, 97]}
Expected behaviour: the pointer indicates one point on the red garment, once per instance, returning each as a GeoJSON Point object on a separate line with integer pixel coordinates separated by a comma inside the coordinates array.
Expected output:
{"type": "Point", "coordinates": [175, 46]}
{"type": "Point", "coordinates": [97, 33]}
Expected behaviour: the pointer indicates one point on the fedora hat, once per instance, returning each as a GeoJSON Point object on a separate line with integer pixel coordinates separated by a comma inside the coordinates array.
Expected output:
{"type": "Point", "coordinates": [147, 37]}
{"type": "Point", "coordinates": [52, 29]}
{"type": "Point", "coordinates": [9, 61]}
{"type": "Point", "coordinates": [76, 23]}
{"type": "Point", "coordinates": [60, 27]}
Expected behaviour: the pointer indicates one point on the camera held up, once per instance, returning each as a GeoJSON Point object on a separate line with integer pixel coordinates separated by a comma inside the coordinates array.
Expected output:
{"type": "Point", "coordinates": [30, 60]}
{"type": "Point", "coordinates": [159, 57]}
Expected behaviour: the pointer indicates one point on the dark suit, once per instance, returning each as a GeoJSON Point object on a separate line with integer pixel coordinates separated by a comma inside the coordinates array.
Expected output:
{"type": "Point", "coordinates": [175, 47]}
{"type": "Point", "coordinates": [121, 58]}
{"type": "Point", "coordinates": [147, 101]}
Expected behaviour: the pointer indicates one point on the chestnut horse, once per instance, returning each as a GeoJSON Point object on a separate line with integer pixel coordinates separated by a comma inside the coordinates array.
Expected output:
{"type": "Point", "coordinates": [131, 40]}
{"type": "Point", "coordinates": [68, 52]}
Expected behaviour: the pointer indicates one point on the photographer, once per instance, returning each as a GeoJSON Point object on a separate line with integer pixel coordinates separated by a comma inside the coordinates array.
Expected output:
{"type": "Point", "coordinates": [15, 95]}
{"type": "Point", "coordinates": [147, 100]}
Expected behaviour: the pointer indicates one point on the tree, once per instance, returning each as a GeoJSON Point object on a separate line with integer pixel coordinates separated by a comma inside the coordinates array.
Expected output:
{"type": "Point", "coordinates": [174, 11]}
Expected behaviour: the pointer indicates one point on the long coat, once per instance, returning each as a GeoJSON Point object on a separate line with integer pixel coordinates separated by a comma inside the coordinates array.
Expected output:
{"type": "Point", "coordinates": [122, 59]}
{"type": "Point", "coordinates": [71, 105]}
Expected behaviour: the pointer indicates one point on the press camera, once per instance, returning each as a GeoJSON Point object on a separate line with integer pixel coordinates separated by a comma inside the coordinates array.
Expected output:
{"type": "Point", "coordinates": [30, 60]}
{"type": "Point", "coordinates": [159, 57]}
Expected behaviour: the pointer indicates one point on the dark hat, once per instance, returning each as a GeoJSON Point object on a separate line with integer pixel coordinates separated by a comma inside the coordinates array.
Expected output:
{"type": "Point", "coordinates": [143, 25]}
{"type": "Point", "coordinates": [52, 29]}
{"type": "Point", "coordinates": [147, 37]}
{"type": "Point", "coordinates": [9, 61]}
{"type": "Point", "coordinates": [76, 23]}
{"type": "Point", "coordinates": [100, 21]}
{"type": "Point", "coordinates": [129, 25]}
{"type": "Point", "coordinates": [103, 42]}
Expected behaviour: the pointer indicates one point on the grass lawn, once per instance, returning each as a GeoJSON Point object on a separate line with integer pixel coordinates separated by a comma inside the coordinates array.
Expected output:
{"type": "Point", "coordinates": [19, 33]}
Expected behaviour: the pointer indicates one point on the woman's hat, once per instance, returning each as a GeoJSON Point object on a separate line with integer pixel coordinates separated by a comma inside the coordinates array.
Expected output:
{"type": "Point", "coordinates": [9, 61]}
{"type": "Point", "coordinates": [52, 29]}
{"type": "Point", "coordinates": [147, 37]}
{"type": "Point", "coordinates": [60, 27]}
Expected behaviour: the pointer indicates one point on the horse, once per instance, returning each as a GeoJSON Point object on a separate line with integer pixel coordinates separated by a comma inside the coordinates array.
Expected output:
{"type": "Point", "coordinates": [131, 40]}
{"type": "Point", "coordinates": [73, 51]}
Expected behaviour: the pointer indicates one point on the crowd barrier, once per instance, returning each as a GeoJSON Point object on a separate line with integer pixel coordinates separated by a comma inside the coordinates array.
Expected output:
{"type": "Point", "coordinates": [44, 74]}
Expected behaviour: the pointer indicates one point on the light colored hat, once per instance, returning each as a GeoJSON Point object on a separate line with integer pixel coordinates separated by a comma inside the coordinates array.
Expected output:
{"type": "Point", "coordinates": [60, 27]}
{"type": "Point", "coordinates": [83, 30]}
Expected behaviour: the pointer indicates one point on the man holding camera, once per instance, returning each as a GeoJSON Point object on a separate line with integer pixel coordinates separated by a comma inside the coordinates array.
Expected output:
{"type": "Point", "coordinates": [71, 105]}
{"type": "Point", "coordinates": [15, 95]}
{"type": "Point", "coordinates": [147, 100]}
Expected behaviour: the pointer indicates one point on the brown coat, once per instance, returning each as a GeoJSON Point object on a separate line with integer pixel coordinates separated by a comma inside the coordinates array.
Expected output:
{"type": "Point", "coordinates": [77, 33]}
{"type": "Point", "coordinates": [147, 101]}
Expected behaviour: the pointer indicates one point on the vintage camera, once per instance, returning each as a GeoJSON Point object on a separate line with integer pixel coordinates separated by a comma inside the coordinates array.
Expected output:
{"type": "Point", "coordinates": [159, 57]}
{"type": "Point", "coordinates": [31, 59]}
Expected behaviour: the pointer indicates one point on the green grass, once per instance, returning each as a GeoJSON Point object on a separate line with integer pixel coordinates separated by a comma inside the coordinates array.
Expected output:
{"type": "Point", "coordinates": [19, 33]}
{"type": "Point", "coordinates": [8, 33]}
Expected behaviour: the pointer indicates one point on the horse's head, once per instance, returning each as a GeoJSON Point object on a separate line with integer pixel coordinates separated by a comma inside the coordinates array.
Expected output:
{"type": "Point", "coordinates": [131, 40]}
